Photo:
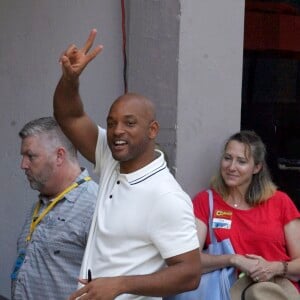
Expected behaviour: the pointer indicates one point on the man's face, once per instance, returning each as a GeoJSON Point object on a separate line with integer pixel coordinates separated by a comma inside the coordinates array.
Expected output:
{"type": "Point", "coordinates": [129, 133]}
{"type": "Point", "coordinates": [37, 162]}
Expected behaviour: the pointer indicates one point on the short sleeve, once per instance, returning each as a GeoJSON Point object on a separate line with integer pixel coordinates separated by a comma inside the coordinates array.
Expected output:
{"type": "Point", "coordinates": [174, 230]}
{"type": "Point", "coordinates": [201, 207]}
{"type": "Point", "coordinates": [288, 208]}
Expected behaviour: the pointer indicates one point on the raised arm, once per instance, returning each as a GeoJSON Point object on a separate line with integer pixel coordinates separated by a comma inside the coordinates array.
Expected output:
{"type": "Point", "coordinates": [67, 104]}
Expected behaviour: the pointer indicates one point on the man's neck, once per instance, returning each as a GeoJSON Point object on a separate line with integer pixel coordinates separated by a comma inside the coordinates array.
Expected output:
{"type": "Point", "coordinates": [62, 180]}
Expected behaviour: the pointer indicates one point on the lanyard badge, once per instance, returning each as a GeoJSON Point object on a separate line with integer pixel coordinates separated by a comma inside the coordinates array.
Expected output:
{"type": "Point", "coordinates": [19, 262]}
{"type": "Point", "coordinates": [36, 219]}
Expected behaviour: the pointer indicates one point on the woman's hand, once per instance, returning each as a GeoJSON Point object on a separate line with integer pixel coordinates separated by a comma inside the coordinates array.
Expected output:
{"type": "Point", "coordinates": [243, 263]}
{"type": "Point", "coordinates": [263, 270]}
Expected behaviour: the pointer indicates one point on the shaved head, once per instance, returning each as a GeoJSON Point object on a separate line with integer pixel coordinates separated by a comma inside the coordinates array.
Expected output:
{"type": "Point", "coordinates": [145, 105]}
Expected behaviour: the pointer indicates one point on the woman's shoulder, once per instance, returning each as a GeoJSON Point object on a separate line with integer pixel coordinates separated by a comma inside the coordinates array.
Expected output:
{"type": "Point", "coordinates": [203, 195]}
{"type": "Point", "coordinates": [280, 200]}
{"type": "Point", "coordinates": [280, 196]}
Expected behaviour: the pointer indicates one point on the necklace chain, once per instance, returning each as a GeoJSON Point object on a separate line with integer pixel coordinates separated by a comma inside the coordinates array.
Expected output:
{"type": "Point", "coordinates": [234, 203]}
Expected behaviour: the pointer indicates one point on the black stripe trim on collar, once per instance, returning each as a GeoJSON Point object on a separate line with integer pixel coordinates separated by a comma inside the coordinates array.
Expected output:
{"type": "Point", "coordinates": [146, 176]}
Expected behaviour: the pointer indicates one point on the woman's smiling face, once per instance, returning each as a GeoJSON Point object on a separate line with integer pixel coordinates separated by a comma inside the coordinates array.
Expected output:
{"type": "Point", "coordinates": [237, 165]}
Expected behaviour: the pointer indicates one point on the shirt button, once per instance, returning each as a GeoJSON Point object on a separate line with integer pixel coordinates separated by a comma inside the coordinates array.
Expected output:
{"type": "Point", "coordinates": [110, 196]}
{"type": "Point", "coordinates": [118, 182]}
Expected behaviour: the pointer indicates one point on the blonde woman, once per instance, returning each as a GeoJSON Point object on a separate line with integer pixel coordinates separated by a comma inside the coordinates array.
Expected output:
{"type": "Point", "coordinates": [261, 222]}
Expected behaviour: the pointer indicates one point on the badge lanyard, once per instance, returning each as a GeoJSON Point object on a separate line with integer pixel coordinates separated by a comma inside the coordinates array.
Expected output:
{"type": "Point", "coordinates": [37, 219]}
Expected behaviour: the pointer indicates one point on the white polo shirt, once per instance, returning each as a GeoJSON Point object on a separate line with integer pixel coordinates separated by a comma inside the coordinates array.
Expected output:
{"type": "Point", "coordinates": [141, 219]}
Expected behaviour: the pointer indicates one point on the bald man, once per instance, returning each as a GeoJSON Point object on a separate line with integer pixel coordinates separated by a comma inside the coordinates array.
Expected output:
{"type": "Point", "coordinates": [142, 242]}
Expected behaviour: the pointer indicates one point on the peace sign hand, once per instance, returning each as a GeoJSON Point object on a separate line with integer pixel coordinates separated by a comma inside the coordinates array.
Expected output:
{"type": "Point", "coordinates": [74, 60]}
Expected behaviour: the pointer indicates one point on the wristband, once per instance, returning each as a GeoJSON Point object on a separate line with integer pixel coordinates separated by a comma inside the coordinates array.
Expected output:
{"type": "Point", "coordinates": [285, 268]}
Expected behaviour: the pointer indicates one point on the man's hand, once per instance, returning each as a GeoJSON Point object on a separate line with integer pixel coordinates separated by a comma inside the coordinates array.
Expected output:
{"type": "Point", "coordinates": [105, 288]}
{"type": "Point", "coordinates": [74, 60]}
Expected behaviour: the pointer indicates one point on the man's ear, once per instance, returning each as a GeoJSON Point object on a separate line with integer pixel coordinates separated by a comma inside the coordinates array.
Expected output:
{"type": "Point", "coordinates": [60, 155]}
{"type": "Point", "coordinates": [153, 130]}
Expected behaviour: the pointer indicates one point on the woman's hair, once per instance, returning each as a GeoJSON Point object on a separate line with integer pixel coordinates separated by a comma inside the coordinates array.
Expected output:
{"type": "Point", "coordinates": [261, 186]}
{"type": "Point", "coordinates": [55, 137]}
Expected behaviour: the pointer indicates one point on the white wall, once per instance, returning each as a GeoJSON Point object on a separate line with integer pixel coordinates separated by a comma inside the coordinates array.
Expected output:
{"type": "Point", "coordinates": [209, 86]}
{"type": "Point", "coordinates": [32, 36]}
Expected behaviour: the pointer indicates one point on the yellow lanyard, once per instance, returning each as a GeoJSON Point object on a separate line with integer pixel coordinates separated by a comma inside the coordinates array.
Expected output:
{"type": "Point", "coordinates": [37, 219]}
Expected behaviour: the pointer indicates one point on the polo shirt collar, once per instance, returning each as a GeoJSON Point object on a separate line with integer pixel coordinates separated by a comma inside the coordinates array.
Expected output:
{"type": "Point", "coordinates": [149, 170]}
